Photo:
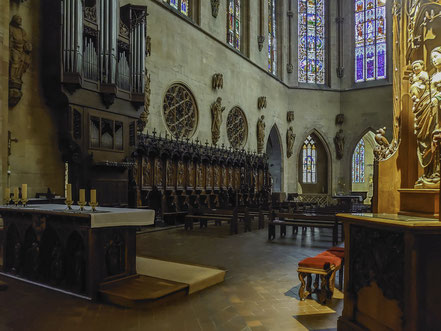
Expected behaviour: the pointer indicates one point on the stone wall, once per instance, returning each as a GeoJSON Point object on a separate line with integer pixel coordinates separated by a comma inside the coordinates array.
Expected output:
{"type": "Point", "coordinates": [35, 158]}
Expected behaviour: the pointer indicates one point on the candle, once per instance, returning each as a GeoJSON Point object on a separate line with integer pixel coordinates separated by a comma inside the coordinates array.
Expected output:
{"type": "Point", "coordinates": [69, 192]}
{"type": "Point", "coordinates": [7, 193]}
{"type": "Point", "coordinates": [24, 191]}
{"type": "Point", "coordinates": [93, 196]}
{"type": "Point", "coordinates": [15, 193]}
{"type": "Point", "coordinates": [82, 195]}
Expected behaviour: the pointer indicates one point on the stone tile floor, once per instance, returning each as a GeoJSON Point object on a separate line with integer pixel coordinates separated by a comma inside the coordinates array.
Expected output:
{"type": "Point", "coordinates": [260, 291]}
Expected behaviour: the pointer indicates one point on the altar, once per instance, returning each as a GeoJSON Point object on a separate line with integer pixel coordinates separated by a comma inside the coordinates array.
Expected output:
{"type": "Point", "coordinates": [72, 251]}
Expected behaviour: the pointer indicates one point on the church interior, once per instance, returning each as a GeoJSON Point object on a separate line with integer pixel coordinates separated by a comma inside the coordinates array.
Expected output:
{"type": "Point", "coordinates": [220, 165]}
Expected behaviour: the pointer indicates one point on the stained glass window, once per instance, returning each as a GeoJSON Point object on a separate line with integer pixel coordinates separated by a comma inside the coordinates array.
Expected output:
{"type": "Point", "coordinates": [180, 5]}
{"type": "Point", "coordinates": [309, 161]}
{"type": "Point", "coordinates": [358, 163]}
{"type": "Point", "coordinates": [311, 47]}
{"type": "Point", "coordinates": [233, 21]}
{"type": "Point", "coordinates": [272, 40]}
{"type": "Point", "coordinates": [370, 40]}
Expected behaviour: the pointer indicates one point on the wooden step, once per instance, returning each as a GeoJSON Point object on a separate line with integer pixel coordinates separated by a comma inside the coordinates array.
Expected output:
{"type": "Point", "coordinates": [142, 291]}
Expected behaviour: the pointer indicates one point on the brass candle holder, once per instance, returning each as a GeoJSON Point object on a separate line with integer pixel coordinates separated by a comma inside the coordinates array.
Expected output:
{"type": "Point", "coordinates": [6, 200]}
{"type": "Point", "coordinates": [24, 202]}
{"type": "Point", "coordinates": [16, 200]}
{"type": "Point", "coordinates": [82, 204]}
{"type": "Point", "coordinates": [93, 205]}
{"type": "Point", "coordinates": [68, 204]}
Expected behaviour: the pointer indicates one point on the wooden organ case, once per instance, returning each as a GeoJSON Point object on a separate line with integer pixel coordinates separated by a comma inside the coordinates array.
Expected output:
{"type": "Point", "coordinates": [94, 79]}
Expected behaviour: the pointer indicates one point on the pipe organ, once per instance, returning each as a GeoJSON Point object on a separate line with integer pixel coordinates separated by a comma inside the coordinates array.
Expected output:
{"type": "Point", "coordinates": [98, 83]}
{"type": "Point", "coordinates": [103, 48]}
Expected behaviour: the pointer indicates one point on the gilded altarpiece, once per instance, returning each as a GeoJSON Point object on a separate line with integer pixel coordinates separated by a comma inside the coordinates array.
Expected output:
{"type": "Point", "coordinates": [408, 166]}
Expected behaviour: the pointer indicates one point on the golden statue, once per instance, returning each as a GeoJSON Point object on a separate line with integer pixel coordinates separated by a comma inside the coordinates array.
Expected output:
{"type": "Point", "coordinates": [216, 113]}
{"type": "Point", "coordinates": [418, 80]}
{"type": "Point", "coordinates": [260, 134]}
{"type": "Point", "coordinates": [426, 111]}
{"type": "Point", "coordinates": [20, 49]}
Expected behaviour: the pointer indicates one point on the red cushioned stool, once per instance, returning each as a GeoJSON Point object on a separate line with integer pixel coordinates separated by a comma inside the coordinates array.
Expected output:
{"type": "Point", "coordinates": [324, 266]}
{"type": "Point", "coordinates": [339, 252]}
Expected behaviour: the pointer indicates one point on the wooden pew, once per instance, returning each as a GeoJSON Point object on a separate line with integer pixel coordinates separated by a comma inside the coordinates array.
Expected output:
{"type": "Point", "coordinates": [302, 219]}
{"type": "Point", "coordinates": [218, 215]}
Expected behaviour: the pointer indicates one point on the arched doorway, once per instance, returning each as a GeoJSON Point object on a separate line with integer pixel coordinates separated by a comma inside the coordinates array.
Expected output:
{"type": "Point", "coordinates": [274, 152]}
{"type": "Point", "coordinates": [313, 166]}
{"type": "Point", "coordinates": [362, 166]}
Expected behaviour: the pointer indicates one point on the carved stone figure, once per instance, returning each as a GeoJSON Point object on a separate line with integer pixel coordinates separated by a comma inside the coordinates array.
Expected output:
{"type": "Point", "coordinates": [191, 174]}
{"type": "Point", "coordinates": [339, 119]}
{"type": "Point", "coordinates": [290, 116]}
{"type": "Point", "coordinates": [426, 111]}
{"type": "Point", "coordinates": [216, 115]}
{"type": "Point", "coordinates": [261, 103]}
{"type": "Point", "coordinates": [339, 141]}
{"type": "Point", "coordinates": [144, 116]}
{"type": "Point", "coordinates": [419, 80]}
{"type": "Point", "coordinates": [217, 81]}
{"type": "Point", "coordinates": [290, 138]}
{"type": "Point", "coordinates": [181, 173]}
{"type": "Point", "coordinates": [158, 172]}
{"type": "Point", "coordinates": [199, 175]}
{"type": "Point", "coordinates": [20, 49]}
{"type": "Point", "coordinates": [214, 8]}
{"type": "Point", "coordinates": [260, 134]}
{"type": "Point", "coordinates": [169, 174]}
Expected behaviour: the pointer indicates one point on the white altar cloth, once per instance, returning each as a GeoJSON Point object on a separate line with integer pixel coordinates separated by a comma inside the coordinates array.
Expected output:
{"type": "Point", "coordinates": [103, 217]}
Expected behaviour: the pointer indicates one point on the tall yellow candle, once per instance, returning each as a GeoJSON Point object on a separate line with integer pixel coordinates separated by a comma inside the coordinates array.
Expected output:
{"type": "Point", "coordinates": [93, 196]}
{"type": "Point", "coordinates": [69, 192]}
{"type": "Point", "coordinates": [15, 193]}
{"type": "Point", "coordinates": [82, 195]}
{"type": "Point", "coordinates": [7, 193]}
{"type": "Point", "coordinates": [24, 191]}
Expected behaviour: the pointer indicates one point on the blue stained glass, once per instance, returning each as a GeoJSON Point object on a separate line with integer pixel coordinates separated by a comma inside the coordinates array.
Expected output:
{"type": "Point", "coordinates": [233, 19]}
{"type": "Point", "coordinates": [309, 161]}
{"type": "Point", "coordinates": [272, 40]}
{"type": "Point", "coordinates": [358, 160]}
{"type": "Point", "coordinates": [311, 45]}
{"type": "Point", "coordinates": [370, 40]}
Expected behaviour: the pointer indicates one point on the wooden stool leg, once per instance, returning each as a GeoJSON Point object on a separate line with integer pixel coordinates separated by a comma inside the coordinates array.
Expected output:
{"type": "Point", "coordinates": [302, 293]}
{"type": "Point", "coordinates": [316, 283]}
{"type": "Point", "coordinates": [331, 284]}
{"type": "Point", "coordinates": [308, 283]}
{"type": "Point", "coordinates": [322, 294]}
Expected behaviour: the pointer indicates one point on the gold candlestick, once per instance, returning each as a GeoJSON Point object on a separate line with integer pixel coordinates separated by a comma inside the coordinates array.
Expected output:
{"type": "Point", "coordinates": [16, 199]}
{"type": "Point", "coordinates": [82, 202]}
{"type": "Point", "coordinates": [7, 196]}
{"type": "Point", "coordinates": [93, 205]}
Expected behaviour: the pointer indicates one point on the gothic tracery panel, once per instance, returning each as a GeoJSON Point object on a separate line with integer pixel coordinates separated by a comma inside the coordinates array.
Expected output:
{"type": "Point", "coordinates": [180, 111]}
{"type": "Point", "coordinates": [237, 127]}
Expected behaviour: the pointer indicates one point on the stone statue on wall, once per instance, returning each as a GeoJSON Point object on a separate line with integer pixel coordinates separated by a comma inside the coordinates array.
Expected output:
{"type": "Point", "coordinates": [290, 138]}
{"type": "Point", "coordinates": [426, 110]}
{"type": "Point", "coordinates": [20, 58]}
{"type": "Point", "coordinates": [339, 141]}
{"type": "Point", "coordinates": [216, 115]}
{"type": "Point", "coordinates": [419, 80]}
{"type": "Point", "coordinates": [260, 134]}
{"type": "Point", "coordinates": [214, 8]}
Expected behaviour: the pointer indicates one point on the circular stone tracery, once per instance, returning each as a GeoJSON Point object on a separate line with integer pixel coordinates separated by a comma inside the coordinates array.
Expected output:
{"type": "Point", "coordinates": [180, 111]}
{"type": "Point", "coordinates": [237, 127]}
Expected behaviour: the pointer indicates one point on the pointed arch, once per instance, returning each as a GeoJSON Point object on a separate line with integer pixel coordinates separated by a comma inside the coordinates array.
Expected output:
{"type": "Point", "coordinates": [274, 150]}
{"type": "Point", "coordinates": [324, 161]}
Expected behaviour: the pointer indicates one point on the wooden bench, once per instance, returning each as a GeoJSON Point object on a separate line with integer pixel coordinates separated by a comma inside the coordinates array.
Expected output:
{"type": "Point", "coordinates": [304, 220]}
{"type": "Point", "coordinates": [217, 215]}
{"type": "Point", "coordinates": [323, 266]}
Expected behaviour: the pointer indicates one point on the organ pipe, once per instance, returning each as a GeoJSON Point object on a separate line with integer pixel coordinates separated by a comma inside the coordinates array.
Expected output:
{"type": "Point", "coordinates": [72, 35]}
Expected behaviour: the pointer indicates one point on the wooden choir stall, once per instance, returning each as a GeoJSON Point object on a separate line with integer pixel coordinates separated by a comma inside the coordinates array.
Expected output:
{"type": "Point", "coordinates": [172, 176]}
{"type": "Point", "coordinates": [393, 256]}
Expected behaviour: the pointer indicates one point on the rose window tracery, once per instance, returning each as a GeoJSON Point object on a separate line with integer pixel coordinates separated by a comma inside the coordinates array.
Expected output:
{"type": "Point", "coordinates": [237, 127]}
{"type": "Point", "coordinates": [180, 111]}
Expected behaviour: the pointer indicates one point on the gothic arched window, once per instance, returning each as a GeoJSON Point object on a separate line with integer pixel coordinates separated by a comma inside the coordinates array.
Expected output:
{"type": "Point", "coordinates": [181, 6]}
{"type": "Point", "coordinates": [370, 40]}
{"type": "Point", "coordinates": [311, 42]}
{"type": "Point", "coordinates": [272, 39]}
{"type": "Point", "coordinates": [309, 161]}
{"type": "Point", "coordinates": [358, 163]}
{"type": "Point", "coordinates": [234, 23]}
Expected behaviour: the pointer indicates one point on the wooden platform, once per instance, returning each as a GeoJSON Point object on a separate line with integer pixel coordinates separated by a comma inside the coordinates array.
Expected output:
{"type": "Point", "coordinates": [143, 292]}
{"type": "Point", "coordinates": [196, 276]}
